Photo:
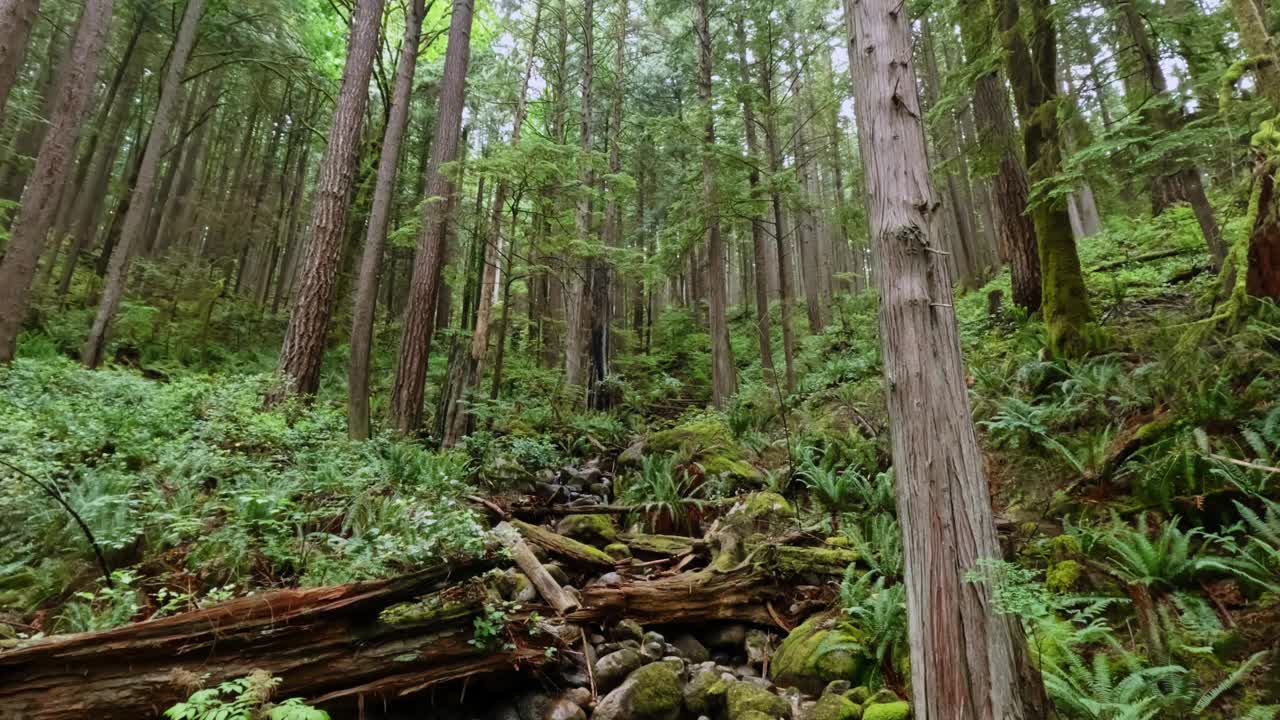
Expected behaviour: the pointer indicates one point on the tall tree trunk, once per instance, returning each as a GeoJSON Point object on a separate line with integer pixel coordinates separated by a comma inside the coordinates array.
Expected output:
{"type": "Point", "coordinates": [968, 662]}
{"type": "Point", "coordinates": [781, 237]}
{"type": "Point", "coordinates": [16, 19]}
{"type": "Point", "coordinates": [576, 305]}
{"type": "Point", "coordinates": [806, 227]}
{"type": "Point", "coordinates": [723, 381]}
{"type": "Point", "coordinates": [376, 234]}
{"type": "Point", "coordinates": [40, 199]}
{"type": "Point", "coordinates": [1033, 75]}
{"type": "Point", "coordinates": [303, 350]}
{"type": "Point", "coordinates": [140, 206]}
{"type": "Point", "coordinates": [1015, 229]}
{"type": "Point", "coordinates": [1262, 273]}
{"type": "Point", "coordinates": [415, 340]}
{"type": "Point", "coordinates": [759, 247]}
{"type": "Point", "coordinates": [459, 415]}
{"type": "Point", "coordinates": [175, 221]}
{"type": "Point", "coordinates": [1172, 183]}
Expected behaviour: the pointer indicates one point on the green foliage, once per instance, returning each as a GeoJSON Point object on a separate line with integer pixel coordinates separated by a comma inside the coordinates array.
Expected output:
{"type": "Point", "coordinates": [663, 492]}
{"type": "Point", "coordinates": [489, 627]}
{"type": "Point", "coordinates": [1170, 559]}
{"type": "Point", "coordinates": [246, 698]}
{"type": "Point", "coordinates": [878, 611]}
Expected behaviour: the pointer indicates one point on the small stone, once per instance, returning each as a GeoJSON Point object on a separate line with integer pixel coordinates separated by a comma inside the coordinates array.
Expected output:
{"type": "Point", "coordinates": [564, 709]}
{"type": "Point", "coordinates": [746, 671]}
{"type": "Point", "coordinates": [596, 638]}
{"type": "Point", "coordinates": [617, 551]}
{"type": "Point", "coordinates": [628, 630]}
{"type": "Point", "coordinates": [609, 579]}
{"type": "Point", "coordinates": [837, 687]}
{"type": "Point", "coordinates": [689, 647]}
{"type": "Point", "coordinates": [859, 694]}
{"type": "Point", "coordinates": [883, 695]}
{"type": "Point", "coordinates": [532, 705]}
{"type": "Point", "coordinates": [578, 696]}
{"type": "Point", "coordinates": [705, 692]}
{"type": "Point", "coordinates": [743, 697]}
{"type": "Point", "coordinates": [729, 637]}
{"type": "Point", "coordinates": [836, 707]}
{"type": "Point", "coordinates": [614, 667]}
{"type": "Point", "coordinates": [557, 573]}
{"type": "Point", "coordinates": [654, 637]}
{"type": "Point", "coordinates": [653, 651]}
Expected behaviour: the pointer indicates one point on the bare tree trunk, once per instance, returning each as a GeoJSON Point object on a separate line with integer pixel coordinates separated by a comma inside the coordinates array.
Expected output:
{"type": "Point", "coordinates": [16, 19]}
{"type": "Point", "coordinates": [415, 340]}
{"type": "Point", "coordinates": [600, 346]}
{"type": "Point", "coordinates": [376, 235]}
{"type": "Point", "coordinates": [968, 662]}
{"type": "Point", "coordinates": [759, 247]}
{"type": "Point", "coordinates": [40, 199]}
{"type": "Point", "coordinates": [577, 302]}
{"type": "Point", "coordinates": [780, 234]}
{"type": "Point", "coordinates": [723, 382]}
{"type": "Point", "coordinates": [140, 207]}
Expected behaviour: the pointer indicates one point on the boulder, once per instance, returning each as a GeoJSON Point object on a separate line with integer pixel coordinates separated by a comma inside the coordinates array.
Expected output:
{"type": "Point", "coordinates": [887, 711]}
{"type": "Point", "coordinates": [743, 698]}
{"type": "Point", "coordinates": [615, 667]}
{"type": "Point", "coordinates": [651, 693]}
{"type": "Point", "coordinates": [705, 692]}
{"type": "Point", "coordinates": [617, 551]}
{"type": "Point", "coordinates": [564, 709]}
{"type": "Point", "coordinates": [836, 707]}
{"type": "Point", "coordinates": [628, 630]}
{"type": "Point", "coordinates": [822, 649]}
{"type": "Point", "coordinates": [689, 648]}
{"type": "Point", "coordinates": [597, 530]}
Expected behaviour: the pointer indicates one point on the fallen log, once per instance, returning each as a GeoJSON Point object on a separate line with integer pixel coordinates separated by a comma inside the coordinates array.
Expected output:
{"type": "Point", "coordinates": [334, 646]}
{"type": "Point", "coordinates": [575, 552]}
{"type": "Point", "coordinates": [541, 580]}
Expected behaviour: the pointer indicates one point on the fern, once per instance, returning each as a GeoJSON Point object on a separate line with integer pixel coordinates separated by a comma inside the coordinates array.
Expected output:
{"type": "Point", "coordinates": [1229, 682]}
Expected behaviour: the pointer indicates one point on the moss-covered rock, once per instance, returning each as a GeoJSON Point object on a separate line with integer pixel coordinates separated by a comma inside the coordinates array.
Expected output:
{"type": "Point", "coordinates": [768, 508]}
{"type": "Point", "coordinates": [704, 694]}
{"type": "Point", "coordinates": [887, 711]}
{"type": "Point", "coordinates": [859, 694]}
{"type": "Point", "coordinates": [742, 698]}
{"type": "Point", "coordinates": [836, 707]}
{"type": "Point", "coordinates": [882, 696]}
{"type": "Point", "coordinates": [711, 444]}
{"type": "Point", "coordinates": [617, 551]}
{"type": "Point", "coordinates": [822, 649]}
{"type": "Point", "coordinates": [651, 693]}
{"type": "Point", "coordinates": [597, 530]}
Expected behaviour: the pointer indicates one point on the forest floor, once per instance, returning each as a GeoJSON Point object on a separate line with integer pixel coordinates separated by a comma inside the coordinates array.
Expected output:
{"type": "Point", "coordinates": [721, 563]}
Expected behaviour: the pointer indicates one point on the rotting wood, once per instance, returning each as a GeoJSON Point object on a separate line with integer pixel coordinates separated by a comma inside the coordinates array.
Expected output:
{"type": "Point", "coordinates": [542, 581]}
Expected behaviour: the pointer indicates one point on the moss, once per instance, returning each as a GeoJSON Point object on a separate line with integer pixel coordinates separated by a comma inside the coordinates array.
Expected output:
{"type": "Point", "coordinates": [790, 560]}
{"type": "Point", "coordinates": [428, 610]}
{"type": "Point", "coordinates": [655, 691]}
{"type": "Point", "coordinates": [1064, 299]}
{"type": "Point", "coordinates": [836, 707]}
{"type": "Point", "coordinates": [597, 530]}
{"type": "Point", "coordinates": [667, 545]}
{"type": "Point", "coordinates": [887, 711]}
{"type": "Point", "coordinates": [883, 696]}
{"type": "Point", "coordinates": [840, 541]}
{"type": "Point", "coordinates": [617, 551]}
{"type": "Point", "coordinates": [710, 443]}
{"type": "Point", "coordinates": [704, 695]}
{"type": "Point", "coordinates": [1063, 576]}
{"type": "Point", "coordinates": [743, 698]}
{"type": "Point", "coordinates": [859, 694]}
{"type": "Point", "coordinates": [767, 508]}
{"type": "Point", "coordinates": [820, 650]}
{"type": "Point", "coordinates": [562, 546]}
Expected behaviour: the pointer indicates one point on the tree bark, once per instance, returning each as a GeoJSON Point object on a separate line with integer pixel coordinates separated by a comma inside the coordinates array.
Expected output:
{"type": "Point", "coordinates": [312, 309]}
{"type": "Point", "coordinates": [759, 248]}
{"type": "Point", "coordinates": [780, 235]}
{"type": "Point", "coordinates": [415, 339]}
{"type": "Point", "coordinates": [376, 235]}
{"type": "Point", "coordinates": [16, 19]}
{"type": "Point", "coordinates": [140, 206]}
{"type": "Point", "coordinates": [40, 199]}
{"type": "Point", "coordinates": [967, 661]}
{"type": "Point", "coordinates": [723, 381]}
{"type": "Point", "coordinates": [577, 301]}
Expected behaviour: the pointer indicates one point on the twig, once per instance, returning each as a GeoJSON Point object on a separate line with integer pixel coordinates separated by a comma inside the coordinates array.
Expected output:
{"type": "Point", "coordinates": [586, 660]}
{"type": "Point", "coordinates": [1245, 464]}
{"type": "Point", "coordinates": [84, 527]}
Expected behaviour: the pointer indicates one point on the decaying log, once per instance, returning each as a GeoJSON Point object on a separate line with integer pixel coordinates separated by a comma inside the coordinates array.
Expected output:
{"type": "Point", "coordinates": [664, 545]}
{"type": "Point", "coordinates": [541, 580]}
{"type": "Point", "coordinates": [571, 550]}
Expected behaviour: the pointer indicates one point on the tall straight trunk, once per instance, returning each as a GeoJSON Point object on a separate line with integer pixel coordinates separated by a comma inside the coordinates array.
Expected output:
{"type": "Point", "coordinates": [140, 206]}
{"type": "Point", "coordinates": [31, 133]}
{"type": "Point", "coordinates": [312, 310]}
{"type": "Point", "coordinates": [175, 220]}
{"type": "Point", "coordinates": [759, 247]}
{"type": "Point", "coordinates": [780, 235]}
{"type": "Point", "coordinates": [415, 340]}
{"type": "Point", "coordinates": [1174, 182]}
{"type": "Point", "coordinates": [723, 381]}
{"type": "Point", "coordinates": [376, 234]}
{"type": "Point", "coordinates": [1015, 231]}
{"type": "Point", "coordinates": [576, 304]}
{"type": "Point", "coordinates": [1032, 68]}
{"type": "Point", "coordinates": [87, 206]}
{"type": "Point", "coordinates": [249, 231]}
{"type": "Point", "coordinates": [16, 19]}
{"type": "Point", "coordinates": [53, 163]}
{"type": "Point", "coordinates": [968, 662]}
{"type": "Point", "coordinates": [175, 154]}
{"type": "Point", "coordinates": [297, 195]}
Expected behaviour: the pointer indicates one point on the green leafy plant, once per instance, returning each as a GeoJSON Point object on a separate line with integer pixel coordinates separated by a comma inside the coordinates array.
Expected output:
{"type": "Point", "coordinates": [246, 698]}
{"type": "Point", "coordinates": [664, 492]}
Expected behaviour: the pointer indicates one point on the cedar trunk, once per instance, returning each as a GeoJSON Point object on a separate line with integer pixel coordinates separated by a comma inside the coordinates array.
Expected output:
{"type": "Point", "coordinates": [16, 19]}
{"type": "Point", "coordinates": [967, 661]}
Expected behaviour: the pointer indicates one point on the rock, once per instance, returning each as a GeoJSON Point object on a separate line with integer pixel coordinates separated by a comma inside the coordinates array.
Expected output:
{"type": "Point", "coordinates": [768, 509]}
{"type": "Point", "coordinates": [759, 645]}
{"type": "Point", "coordinates": [746, 671]}
{"type": "Point", "coordinates": [887, 711]}
{"type": "Point", "coordinates": [837, 687]}
{"type": "Point", "coordinates": [742, 698]}
{"type": "Point", "coordinates": [757, 715]}
{"type": "Point", "coordinates": [614, 667]}
{"type": "Point", "coordinates": [689, 648]}
{"type": "Point", "coordinates": [822, 649]}
{"type": "Point", "coordinates": [859, 694]}
{"type": "Point", "coordinates": [602, 488]}
{"type": "Point", "coordinates": [653, 651]}
{"type": "Point", "coordinates": [705, 692]}
{"type": "Point", "coordinates": [650, 693]}
{"type": "Point", "coordinates": [617, 551]}
{"type": "Point", "coordinates": [883, 696]}
{"type": "Point", "coordinates": [564, 709]}
{"type": "Point", "coordinates": [532, 705]}
{"type": "Point", "coordinates": [610, 579]}
{"type": "Point", "coordinates": [633, 455]}
{"type": "Point", "coordinates": [628, 630]}
{"type": "Point", "coordinates": [836, 707]}
{"type": "Point", "coordinates": [516, 587]}
{"type": "Point", "coordinates": [557, 573]}
{"type": "Point", "coordinates": [730, 636]}
{"type": "Point", "coordinates": [654, 637]}
{"type": "Point", "coordinates": [595, 638]}
{"type": "Point", "coordinates": [578, 696]}
{"type": "Point", "coordinates": [755, 680]}
{"type": "Point", "coordinates": [575, 678]}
